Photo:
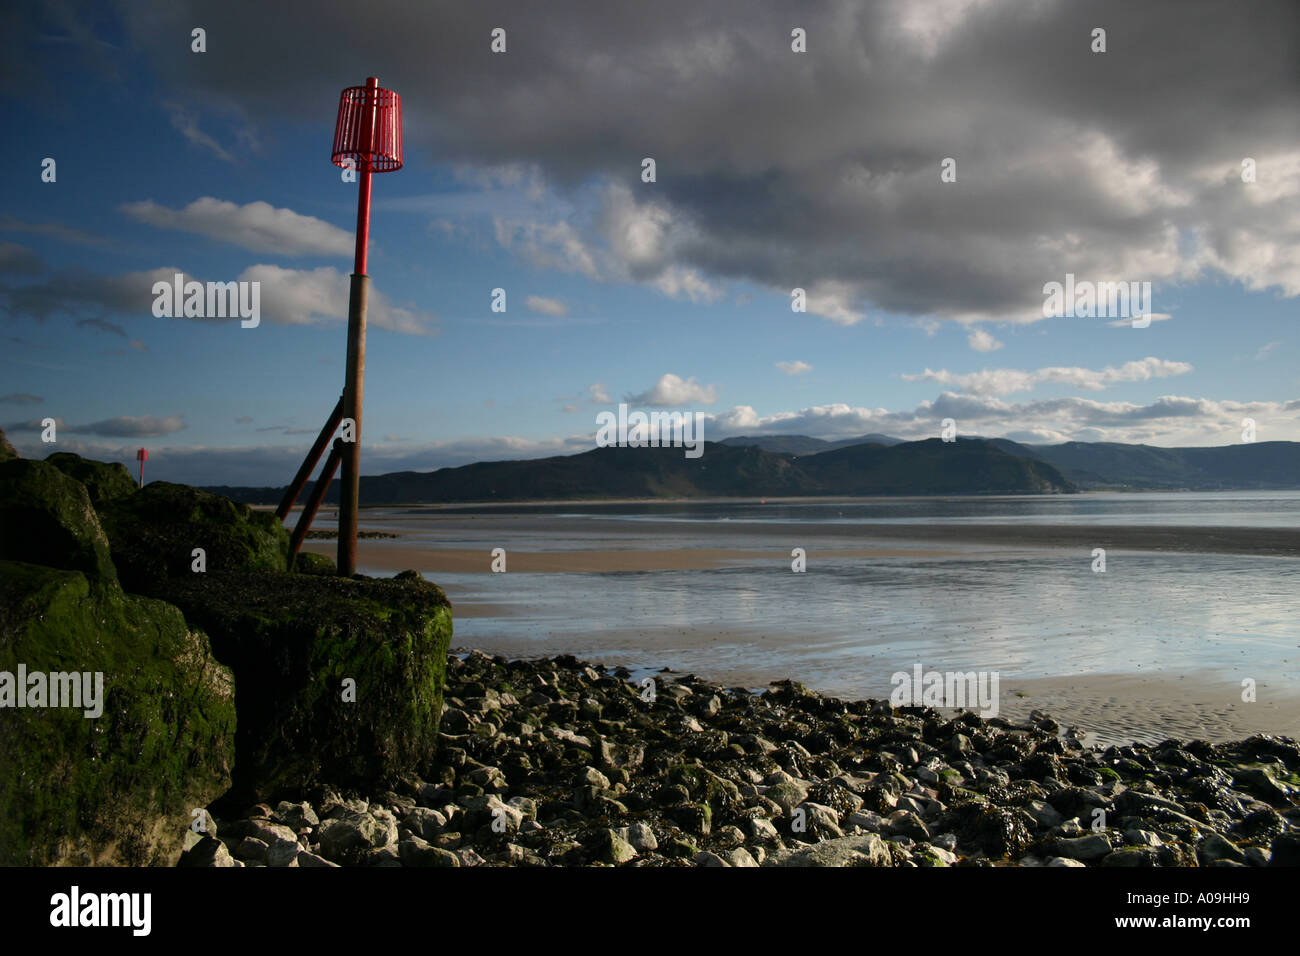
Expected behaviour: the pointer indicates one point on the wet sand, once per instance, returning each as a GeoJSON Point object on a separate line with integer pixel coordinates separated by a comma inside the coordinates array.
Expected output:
{"type": "Point", "coordinates": [1280, 542]}
{"type": "Point", "coordinates": [1150, 709]}
{"type": "Point", "coordinates": [392, 557]}
{"type": "Point", "coordinates": [1116, 708]}
{"type": "Point", "coordinates": [1109, 708]}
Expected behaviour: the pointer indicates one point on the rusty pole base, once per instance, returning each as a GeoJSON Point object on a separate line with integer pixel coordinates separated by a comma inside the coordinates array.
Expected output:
{"type": "Point", "coordinates": [354, 387]}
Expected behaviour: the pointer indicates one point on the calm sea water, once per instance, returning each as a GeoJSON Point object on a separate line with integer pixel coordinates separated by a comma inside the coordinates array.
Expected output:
{"type": "Point", "coordinates": [849, 622]}
{"type": "Point", "coordinates": [1262, 509]}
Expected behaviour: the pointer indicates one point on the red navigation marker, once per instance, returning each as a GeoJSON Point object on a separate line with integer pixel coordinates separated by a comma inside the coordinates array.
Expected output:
{"type": "Point", "coordinates": [367, 138]}
{"type": "Point", "coordinates": [142, 456]}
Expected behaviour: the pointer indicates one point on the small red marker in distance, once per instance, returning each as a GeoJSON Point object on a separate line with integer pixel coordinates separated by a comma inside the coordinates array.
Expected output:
{"type": "Point", "coordinates": [142, 456]}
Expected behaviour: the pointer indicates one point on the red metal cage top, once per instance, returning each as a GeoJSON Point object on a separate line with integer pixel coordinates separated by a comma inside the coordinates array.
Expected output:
{"type": "Point", "coordinates": [369, 128]}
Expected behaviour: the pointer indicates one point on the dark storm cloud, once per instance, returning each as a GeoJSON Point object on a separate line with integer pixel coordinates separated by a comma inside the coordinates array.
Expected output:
{"type": "Point", "coordinates": [124, 426]}
{"type": "Point", "coordinates": [19, 260]}
{"type": "Point", "coordinates": [74, 291]}
{"type": "Point", "coordinates": [257, 465]}
{"type": "Point", "coordinates": [53, 230]}
{"type": "Point", "coordinates": [821, 170]}
{"type": "Point", "coordinates": [103, 326]}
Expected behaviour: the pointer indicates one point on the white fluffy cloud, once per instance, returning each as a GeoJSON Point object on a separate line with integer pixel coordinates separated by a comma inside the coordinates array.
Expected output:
{"type": "Point", "coordinates": [1168, 420]}
{"type": "Point", "coordinates": [286, 297]}
{"type": "Point", "coordinates": [797, 367]}
{"type": "Point", "coordinates": [257, 226]}
{"type": "Point", "coordinates": [835, 301]}
{"type": "Point", "coordinates": [982, 341]}
{"type": "Point", "coordinates": [546, 306]}
{"type": "Point", "coordinates": [548, 246]}
{"type": "Point", "coordinates": [671, 390]}
{"type": "Point", "coordinates": [1128, 323]}
{"type": "Point", "coordinates": [626, 241]}
{"type": "Point", "coordinates": [307, 296]}
{"type": "Point", "coordinates": [1005, 381]}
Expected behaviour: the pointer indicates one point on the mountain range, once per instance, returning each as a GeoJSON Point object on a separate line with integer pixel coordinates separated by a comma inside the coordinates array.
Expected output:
{"type": "Point", "coordinates": [1094, 466]}
{"type": "Point", "coordinates": [803, 445]}
{"type": "Point", "coordinates": [798, 465]}
{"type": "Point", "coordinates": [724, 470]}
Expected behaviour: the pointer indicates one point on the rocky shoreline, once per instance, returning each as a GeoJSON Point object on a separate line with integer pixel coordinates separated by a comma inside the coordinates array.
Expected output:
{"type": "Point", "coordinates": [259, 709]}
{"type": "Point", "coordinates": [556, 762]}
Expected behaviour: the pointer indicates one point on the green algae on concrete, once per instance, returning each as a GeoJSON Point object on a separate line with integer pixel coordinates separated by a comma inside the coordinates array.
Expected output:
{"type": "Point", "coordinates": [308, 562]}
{"type": "Point", "coordinates": [117, 789]}
{"type": "Point", "coordinates": [292, 641]}
{"type": "Point", "coordinates": [104, 481]}
{"type": "Point", "coordinates": [47, 518]}
{"type": "Point", "coordinates": [153, 534]}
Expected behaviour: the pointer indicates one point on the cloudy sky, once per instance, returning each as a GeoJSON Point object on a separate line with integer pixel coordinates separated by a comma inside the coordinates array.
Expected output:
{"type": "Point", "coordinates": [774, 170]}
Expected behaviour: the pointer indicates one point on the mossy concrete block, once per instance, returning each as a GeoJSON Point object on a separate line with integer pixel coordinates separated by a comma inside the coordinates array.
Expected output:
{"type": "Point", "coordinates": [153, 534]}
{"type": "Point", "coordinates": [117, 789]}
{"type": "Point", "coordinates": [292, 641]}
{"type": "Point", "coordinates": [47, 518]}
{"type": "Point", "coordinates": [105, 481]}
{"type": "Point", "coordinates": [308, 562]}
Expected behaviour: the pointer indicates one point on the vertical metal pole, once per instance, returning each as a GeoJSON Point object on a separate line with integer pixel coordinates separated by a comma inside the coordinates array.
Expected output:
{"type": "Point", "coordinates": [363, 201]}
{"type": "Point", "coordinates": [350, 481]}
{"type": "Point", "coordinates": [354, 384]}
